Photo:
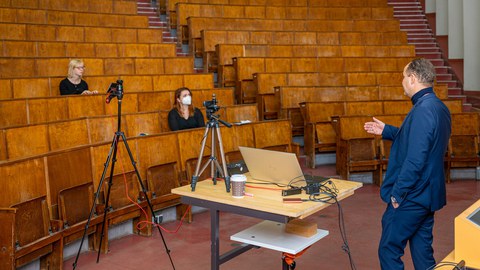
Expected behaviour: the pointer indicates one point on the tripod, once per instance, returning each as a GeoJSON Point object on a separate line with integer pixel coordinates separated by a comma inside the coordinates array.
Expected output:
{"type": "Point", "coordinates": [116, 90]}
{"type": "Point", "coordinates": [212, 126]}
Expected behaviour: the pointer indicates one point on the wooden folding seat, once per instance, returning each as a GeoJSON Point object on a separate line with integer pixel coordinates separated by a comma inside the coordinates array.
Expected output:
{"type": "Point", "coordinates": [463, 149]}
{"type": "Point", "coordinates": [454, 105]}
{"type": "Point", "coordinates": [6, 89]}
{"type": "Point", "coordinates": [356, 150]}
{"type": "Point", "coordinates": [13, 31]}
{"type": "Point", "coordinates": [319, 134]}
{"type": "Point", "coordinates": [391, 93]}
{"type": "Point", "coordinates": [80, 106]}
{"type": "Point", "coordinates": [160, 173]}
{"type": "Point", "coordinates": [29, 234]}
{"type": "Point", "coordinates": [363, 108]}
{"type": "Point", "coordinates": [14, 112]}
{"type": "Point", "coordinates": [67, 134]}
{"type": "Point", "coordinates": [124, 7]}
{"type": "Point", "coordinates": [126, 201]}
{"type": "Point", "coordinates": [156, 101]}
{"type": "Point", "coordinates": [26, 141]}
{"type": "Point", "coordinates": [102, 128]}
{"type": "Point", "coordinates": [224, 96]}
{"type": "Point", "coordinates": [174, 81]}
{"type": "Point", "coordinates": [137, 83]}
{"type": "Point", "coordinates": [289, 98]}
{"type": "Point", "coordinates": [274, 135]}
{"type": "Point", "coordinates": [17, 68]}
{"type": "Point", "coordinates": [74, 208]}
{"type": "Point", "coordinates": [358, 93]}
{"type": "Point", "coordinates": [149, 35]}
{"type": "Point", "coordinates": [396, 106]}
{"type": "Point", "coordinates": [238, 113]}
{"type": "Point", "coordinates": [142, 123]}
{"type": "Point", "coordinates": [190, 142]}
{"type": "Point", "coordinates": [129, 104]}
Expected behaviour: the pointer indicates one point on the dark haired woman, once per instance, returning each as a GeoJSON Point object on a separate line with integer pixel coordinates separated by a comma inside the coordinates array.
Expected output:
{"type": "Point", "coordinates": [184, 115]}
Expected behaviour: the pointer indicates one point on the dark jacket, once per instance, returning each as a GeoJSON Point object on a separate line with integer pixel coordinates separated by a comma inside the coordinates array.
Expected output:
{"type": "Point", "coordinates": [416, 164]}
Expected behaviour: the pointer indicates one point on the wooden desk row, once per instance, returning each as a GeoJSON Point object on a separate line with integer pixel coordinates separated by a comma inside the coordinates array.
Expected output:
{"type": "Point", "coordinates": [206, 46]}
{"type": "Point", "coordinates": [178, 19]}
{"type": "Point", "coordinates": [320, 135]}
{"type": "Point", "coordinates": [99, 6]}
{"type": "Point", "coordinates": [18, 88]}
{"type": "Point", "coordinates": [197, 24]}
{"type": "Point", "coordinates": [45, 32]}
{"type": "Point", "coordinates": [72, 18]}
{"type": "Point", "coordinates": [24, 141]}
{"type": "Point", "coordinates": [54, 49]}
{"type": "Point", "coordinates": [108, 66]}
{"type": "Point", "coordinates": [49, 182]}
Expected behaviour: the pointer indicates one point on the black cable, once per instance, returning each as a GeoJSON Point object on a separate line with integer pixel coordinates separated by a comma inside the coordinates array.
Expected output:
{"type": "Point", "coordinates": [329, 195]}
{"type": "Point", "coordinates": [456, 266]}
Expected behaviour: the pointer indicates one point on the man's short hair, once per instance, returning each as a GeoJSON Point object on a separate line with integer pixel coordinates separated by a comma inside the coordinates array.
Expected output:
{"type": "Point", "coordinates": [423, 70]}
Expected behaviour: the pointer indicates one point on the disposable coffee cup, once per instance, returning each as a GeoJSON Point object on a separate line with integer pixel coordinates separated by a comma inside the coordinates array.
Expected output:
{"type": "Point", "coordinates": [238, 185]}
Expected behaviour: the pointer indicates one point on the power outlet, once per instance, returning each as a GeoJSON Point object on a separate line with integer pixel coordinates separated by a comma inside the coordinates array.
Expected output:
{"type": "Point", "coordinates": [158, 219]}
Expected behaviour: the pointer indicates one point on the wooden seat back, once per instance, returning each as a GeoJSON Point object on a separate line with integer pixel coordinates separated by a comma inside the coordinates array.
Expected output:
{"type": "Point", "coordinates": [75, 203]}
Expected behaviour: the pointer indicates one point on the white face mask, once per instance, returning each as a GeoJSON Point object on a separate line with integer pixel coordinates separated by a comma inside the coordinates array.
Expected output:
{"type": "Point", "coordinates": [187, 100]}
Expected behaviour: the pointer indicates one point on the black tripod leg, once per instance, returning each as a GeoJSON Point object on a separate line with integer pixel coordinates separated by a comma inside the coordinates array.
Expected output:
{"type": "Point", "coordinates": [134, 164]}
{"type": "Point", "coordinates": [107, 208]}
{"type": "Point", "coordinates": [95, 199]}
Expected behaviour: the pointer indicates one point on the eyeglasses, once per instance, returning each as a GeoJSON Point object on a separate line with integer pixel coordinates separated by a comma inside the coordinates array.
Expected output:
{"type": "Point", "coordinates": [82, 67]}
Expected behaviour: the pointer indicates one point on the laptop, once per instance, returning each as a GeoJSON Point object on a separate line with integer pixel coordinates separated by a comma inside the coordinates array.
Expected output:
{"type": "Point", "coordinates": [272, 166]}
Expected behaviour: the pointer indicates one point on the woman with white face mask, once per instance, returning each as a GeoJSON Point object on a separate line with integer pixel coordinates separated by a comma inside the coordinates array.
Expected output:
{"type": "Point", "coordinates": [184, 115]}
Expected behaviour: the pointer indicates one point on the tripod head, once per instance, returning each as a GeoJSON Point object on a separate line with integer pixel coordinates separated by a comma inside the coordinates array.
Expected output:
{"type": "Point", "coordinates": [115, 90]}
{"type": "Point", "coordinates": [212, 107]}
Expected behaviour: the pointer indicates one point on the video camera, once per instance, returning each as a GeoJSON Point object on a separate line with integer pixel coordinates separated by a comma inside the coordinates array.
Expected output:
{"type": "Point", "coordinates": [115, 90]}
{"type": "Point", "coordinates": [211, 106]}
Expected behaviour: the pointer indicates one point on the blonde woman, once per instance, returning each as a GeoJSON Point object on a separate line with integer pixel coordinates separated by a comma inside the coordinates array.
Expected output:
{"type": "Point", "coordinates": [74, 84]}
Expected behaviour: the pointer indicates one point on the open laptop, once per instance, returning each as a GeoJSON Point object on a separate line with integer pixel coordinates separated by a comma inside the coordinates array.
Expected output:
{"type": "Point", "coordinates": [272, 166]}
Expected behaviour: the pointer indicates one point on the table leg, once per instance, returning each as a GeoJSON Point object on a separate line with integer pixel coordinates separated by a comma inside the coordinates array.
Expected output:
{"type": "Point", "coordinates": [215, 239]}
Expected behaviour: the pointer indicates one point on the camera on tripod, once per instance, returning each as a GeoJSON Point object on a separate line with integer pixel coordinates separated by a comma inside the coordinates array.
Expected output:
{"type": "Point", "coordinates": [115, 90]}
{"type": "Point", "coordinates": [211, 106]}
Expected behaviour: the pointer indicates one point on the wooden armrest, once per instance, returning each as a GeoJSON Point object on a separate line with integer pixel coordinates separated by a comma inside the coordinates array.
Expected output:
{"type": "Point", "coordinates": [56, 225]}
{"type": "Point", "coordinates": [296, 148]}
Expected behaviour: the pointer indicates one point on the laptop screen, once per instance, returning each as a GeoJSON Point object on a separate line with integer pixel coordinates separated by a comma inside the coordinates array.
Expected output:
{"type": "Point", "coordinates": [272, 166]}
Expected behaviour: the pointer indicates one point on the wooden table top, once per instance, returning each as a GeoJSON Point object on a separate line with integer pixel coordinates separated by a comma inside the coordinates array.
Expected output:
{"type": "Point", "coordinates": [267, 198]}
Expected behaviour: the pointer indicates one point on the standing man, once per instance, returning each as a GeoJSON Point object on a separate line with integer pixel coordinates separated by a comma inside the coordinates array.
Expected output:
{"type": "Point", "coordinates": [414, 185]}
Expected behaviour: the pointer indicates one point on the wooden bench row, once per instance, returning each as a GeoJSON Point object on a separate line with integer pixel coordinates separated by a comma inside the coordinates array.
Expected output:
{"type": "Point", "coordinates": [288, 100]}
{"type": "Point", "coordinates": [43, 32]}
{"type": "Point", "coordinates": [24, 141]}
{"type": "Point", "coordinates": [178, 19]}
{"type": "Point", "coordinates": [197, 24]}
{"type": "Point", "coordinates": [58, 66]}
{"type": "Point", "coordinates": [331, 58]}
{"type": "Point", "coordinates": [44, 49]}
{"type": "Point", "coordinates": [77, 18]}
{"type": "Point", "coordinates": [99, 6]}
{"type": "Point", "coordinates": [332, 71]}
{"type": "Point", "coordinates": [320, 135]}
{"type": "Point", "coordinates": [57, 188]}
{"type": "Point", "coordinates": [49, 86]}
{"type": "Point", "coordinates": [358, 151]}
{"type": "Point", "coordinates": [171, 4]}
{"type": "Point", "coordinates": [17, 112]}
{"type": "Point", "coordinates": [262, 88]}
{"type": "Point", "coordinates": [205, 46]}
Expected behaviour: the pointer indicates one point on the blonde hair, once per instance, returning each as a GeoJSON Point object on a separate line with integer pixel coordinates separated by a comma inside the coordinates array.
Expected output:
{"type": "Point", "coordinates": [178, 92]}
{"type": "Point", "coordinates": [73, 64]}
